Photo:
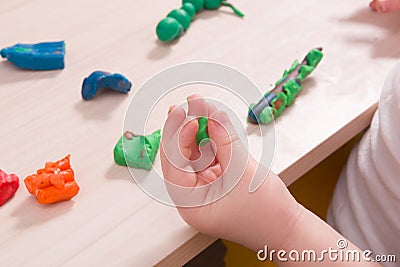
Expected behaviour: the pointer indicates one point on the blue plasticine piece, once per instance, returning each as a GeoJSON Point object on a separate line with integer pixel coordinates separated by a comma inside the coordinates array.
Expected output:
{"type": "Point", "coordinates": [101, 79]}
{"type": "Point", "coordinates": [40, 56]}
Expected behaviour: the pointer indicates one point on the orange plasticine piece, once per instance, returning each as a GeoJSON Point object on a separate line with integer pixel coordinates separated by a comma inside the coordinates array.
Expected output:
{"type": "Point", "coordinates": [54, 183]}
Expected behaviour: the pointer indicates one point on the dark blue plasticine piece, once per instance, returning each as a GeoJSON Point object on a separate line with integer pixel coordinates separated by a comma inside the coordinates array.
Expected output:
{"type": "Point", "coordinates": [40, 56]}
{"type": "Point", "coordinates": [260, 106]}
{"type": "Point", "coordinates": [101, 79]}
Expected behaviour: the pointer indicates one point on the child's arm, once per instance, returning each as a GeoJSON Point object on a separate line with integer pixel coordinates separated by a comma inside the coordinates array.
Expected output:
{"type": "Point", "coordinates": [270, 216]}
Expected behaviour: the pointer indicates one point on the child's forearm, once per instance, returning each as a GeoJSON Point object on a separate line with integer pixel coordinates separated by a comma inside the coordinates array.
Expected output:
{"type": "Point", "coordinates": [289, 228]}
{"type": "Point", "coordinates": [310, 234]}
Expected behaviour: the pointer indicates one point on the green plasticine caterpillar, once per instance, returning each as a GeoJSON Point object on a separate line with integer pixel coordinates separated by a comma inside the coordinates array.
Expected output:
{"type": "Point", "coordinates": [285, 91]}
{"type": "Point", "coordinates": [178, 20]}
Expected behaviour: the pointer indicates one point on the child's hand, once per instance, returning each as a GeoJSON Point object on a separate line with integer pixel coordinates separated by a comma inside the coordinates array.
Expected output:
{"type": "Point", "coordinates": [250, 219]}
{"type": "Point", "coordinates": [384, 6]}
{"type": "Point", "coordinates": [269, 216]}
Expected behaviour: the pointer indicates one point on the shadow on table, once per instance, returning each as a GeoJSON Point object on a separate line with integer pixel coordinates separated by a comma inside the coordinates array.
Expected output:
{"type": "Point", "coordinates": [12, 74]}
{"type": "Point", "coordinates": [30, 213]}
{"type": "Point", "coordinates": [386, 46]}
{"type": "Point", "coordinates": [161, 49]}
{"type": "Point", "coordinates": [119, 172]}
{"type": "Point", "coordinates": [101, 106]}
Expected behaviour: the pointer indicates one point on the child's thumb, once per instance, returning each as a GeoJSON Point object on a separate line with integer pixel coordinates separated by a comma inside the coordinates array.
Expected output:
{"type": "Point", "coordinates": [231, 153]}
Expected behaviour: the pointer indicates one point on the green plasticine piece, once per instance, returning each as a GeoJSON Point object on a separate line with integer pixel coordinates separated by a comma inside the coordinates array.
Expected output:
{"type": "Point", "coordinates": [267, 115]}
{"type": "Point", "coordinates": [291, 88]}
{"type": "Point", "coordinates": [294, 66]}
{"type": "Point", "coordinates": [190, 9]}
{"type": "Point", "coordinates": [281, 101]}
{"type": "Point", "coordinates": [140, 151]}
{"type": "Point", "coordinates": [304, 71]}
{"type": "Point", "coordinates": [287, 72]}
{"type": "Point", "coordinates": [202, 137]}
{"type": "Point", "coordinates": [181, 16]}
{"type": "Point", "coordinates": [314, 57]}
{"type": "Point", "coordinates": [168, 29]}
{"type": "Point", "coordinates": [198, 4]}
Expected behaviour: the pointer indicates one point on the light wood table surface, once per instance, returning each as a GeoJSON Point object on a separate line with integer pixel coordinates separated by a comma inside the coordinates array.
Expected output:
{"type": "Point", "coordinates": [112, 222]}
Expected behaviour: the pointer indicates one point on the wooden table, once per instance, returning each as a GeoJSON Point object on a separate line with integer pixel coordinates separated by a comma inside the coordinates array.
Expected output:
{"type": "Point", "coordinates": [111, 221]}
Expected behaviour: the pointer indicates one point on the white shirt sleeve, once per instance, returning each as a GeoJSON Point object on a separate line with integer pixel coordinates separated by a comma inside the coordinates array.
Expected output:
{"type": "Point", "coordinates": [366, 204]}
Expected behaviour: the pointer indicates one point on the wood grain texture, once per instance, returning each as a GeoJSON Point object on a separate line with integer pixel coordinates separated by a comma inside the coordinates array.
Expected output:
{"type": "Point", "coordinates": [112, 222]}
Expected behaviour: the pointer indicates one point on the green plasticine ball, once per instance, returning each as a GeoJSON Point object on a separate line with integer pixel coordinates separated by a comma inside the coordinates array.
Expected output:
{"type": "Point", "coordinates": [198, 4]}
{"type": "Point", "coordinates": [202, 137]}
{"type": "Point", "coordinates": [190, 9]}
{"type": "Point", "coordinates": [168, 29]}
{"type": "Point", "coordinates": [212, 4]}
{"type": "Point", "coordinates": [181, 16]}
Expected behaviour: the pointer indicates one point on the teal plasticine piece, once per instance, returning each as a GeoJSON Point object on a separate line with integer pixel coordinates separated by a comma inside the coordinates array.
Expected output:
{"type": "Point", "coordinates": [202, 137]}
{"type": "Point", "coordinates": [198, 4]}
{"type": "Point", "coordinates": [137, 151]}
{"type": "Point", "coordinates": [168, 29]}
{"type": "Point", "coordinates": [212, 4]}
{"type": "Point", "coordinates": [190, 9]}
{"type": "Point", "coordinates": [181, 16]}
{"type": "Point", "coordinates": [215, 4]}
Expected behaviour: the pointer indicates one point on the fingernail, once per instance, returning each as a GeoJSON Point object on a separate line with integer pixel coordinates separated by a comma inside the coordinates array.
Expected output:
{"type": "Point", "coordinates": [192, 97]}
{"type": "Point", "coordinates": [170, 109]}
{"type": "Point", "coordinates": [382, 6]}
